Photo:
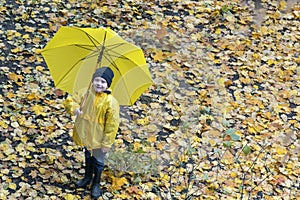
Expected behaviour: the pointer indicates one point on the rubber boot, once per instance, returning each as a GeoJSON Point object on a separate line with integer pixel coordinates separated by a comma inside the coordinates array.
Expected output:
{"type": "Point", "coordinates": [83, 183]}
{"type": "Point", "coordinates": [98, 168]}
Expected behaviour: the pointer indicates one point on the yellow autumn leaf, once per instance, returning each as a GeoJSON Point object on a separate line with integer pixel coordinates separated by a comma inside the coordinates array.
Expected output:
{"type": "Point", "coordinates": [159, 56]}
{"type": "Point", "coordinates": [15, 77]}
{"type": "Point", "coordinates": [39, 68]}
{"type": "Point", "coordinates": [64, 179]}
{"type": "Point", "coordinates": [22, 164]}
{"type": "Point", "coordinates": [221, 82]}
{"type": "Point", "coordinates": [117, 183]}
{"type": "Point", "coordinates": [179, 188]}
{"type": "Point", "coordinates": [17, 49]}
{"type": "Point", "coordinates": [69, 197]}
{"type": "Point", "coordinates": [233, 174]}
{"type": "Point", "coordinates": [217, 61]}
{"type": "Point", "coordinates": [38, 51]}
{"type": "Point", "coordinates": [281, 150]}
{"type": "Point", "coordinates": [42, 170]}
{"type": "Point", "coordinates": [3, 124]}
{"type": "Point", "coordinates": [31, 96]}
{"type": "Point", "coordinates": [213, 142]}
{"type": "Point", "coordinates": [38, 110]}
{"type": "Point", "coordinates": [270, 62]}
{"type": "Point", "coordinates": [190, 93]}
{"type": "Point", "coordinates": [17, 34]}
{"type": "Point", "coordinates": [282, 5]}
{"type": "Point", "coordinates": [5, 148]}
{"type": "Point", "coordinates": [143, 121]}
{"type": "Point", "coordinates": [264, 30]}
{"type": "Point", "coordinates": [136, 146]}
{"type": "Point", "coordinates": [228, 158]}
{"type": "Point", "coordinates": [297, 14]}
{"type": "Point", "coordinates": [122, 196]}
{"type": "Point", "coordinates": [164, 178]}
{"type": "Point", "coordinates": [149, 12]}
{"type": "Point", "coordinates": [183, 158]}
{"type": "Point", "coordinates": [218, 31]}
{"type": "Point", "coordinates": [206, 166]}
{"type": "Point", "coordinates": [251, 130]}
{"type": "Point", "coordinates": [27, 70]}
{"type": "Point", "coordinates": [26, 36]}
{"type": "Point", "coordinates": [12, 186]}
{"type": "Point", "coordinates": [29, 124]}
{"type": "Point", "coordinates": [160, 146]}
{"type": "Point", "coordinates": [151, 138]}
{"type": "Point", "coordinates": [256, 56]}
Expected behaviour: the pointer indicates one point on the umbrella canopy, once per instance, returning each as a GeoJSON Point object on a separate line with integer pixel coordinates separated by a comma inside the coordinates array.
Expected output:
{"type": "Point", "coordinates": [73, 55]}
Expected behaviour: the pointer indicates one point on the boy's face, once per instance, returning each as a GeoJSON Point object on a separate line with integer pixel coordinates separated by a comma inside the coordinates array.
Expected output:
{"type": "Point", "coordinates": [100, 84]}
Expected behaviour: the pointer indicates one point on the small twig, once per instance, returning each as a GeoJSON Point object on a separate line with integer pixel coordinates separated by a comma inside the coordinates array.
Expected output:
{"type": "Point", "coordinates": [219, 163]}
{"type": "Point", "coordinates": [188, 183]}
{"type": "Point", "coordinates": [254, 162]}
{"type": "Point", "coordinates": [249, 169]}
{"type": "Point", "coordinates": [170, 188]}
{"type": "Point", "coordinates": [290, 193]}
{"type": "Point", "coordinates": [251, 190]}
{"type": "Point", "coordinates": [243, 184]}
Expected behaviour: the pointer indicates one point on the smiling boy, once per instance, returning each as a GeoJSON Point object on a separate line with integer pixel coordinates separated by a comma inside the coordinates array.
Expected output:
{"type": "Point", "coordinates": [96, 125]}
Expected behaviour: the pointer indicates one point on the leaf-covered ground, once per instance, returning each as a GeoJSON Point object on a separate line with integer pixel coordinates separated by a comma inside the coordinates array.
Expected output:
{"type": "Point", "coordinates": [220, 122]}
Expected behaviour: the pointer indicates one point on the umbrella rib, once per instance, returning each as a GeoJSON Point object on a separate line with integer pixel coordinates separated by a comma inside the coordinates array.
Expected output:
{"type": "Point", "coordinates": [116, 45]}
{"type": "Point", "coordinates": [95, 53]}
{"type": "Point", "coordinates": [84, 46]}
{"type": "Point", "coordinates": [115, 66]}
{"type": "Point", "coordinates": [92, 39]}
{"type": "Point", "coordinates": [76, 45]}
{"type": "Point", "coordinates": [95, 42]}
{"type": "Point", "coordinates": [117, 55]}
{"type": "Point", "coordinates": [71, 68]}
{"type": "Point", "coordinates": [109, 48]}
{"type": "Point", "coordinates": [110, 60]}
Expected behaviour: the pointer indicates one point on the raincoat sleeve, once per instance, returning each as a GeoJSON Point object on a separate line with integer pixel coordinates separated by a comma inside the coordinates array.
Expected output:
{"type": "Point", "coordinates": [72, 102]}
{"type": "Point", "coordinates": [111, 123]}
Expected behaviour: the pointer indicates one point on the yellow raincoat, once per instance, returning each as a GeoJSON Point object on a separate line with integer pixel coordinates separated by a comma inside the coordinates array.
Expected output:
{"type": "Point", "coordinates": [98, 124]}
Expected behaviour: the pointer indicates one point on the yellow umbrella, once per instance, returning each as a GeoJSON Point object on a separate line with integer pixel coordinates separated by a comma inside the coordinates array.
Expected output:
{"type": "Point", "coordinates": [73, 55]}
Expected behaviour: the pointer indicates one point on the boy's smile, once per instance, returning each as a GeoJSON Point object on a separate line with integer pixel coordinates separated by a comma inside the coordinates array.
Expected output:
{"type": "Point", "coordinates": [100, 84]}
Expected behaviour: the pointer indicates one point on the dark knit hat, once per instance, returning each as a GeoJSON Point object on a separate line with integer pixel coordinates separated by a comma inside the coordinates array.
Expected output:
{"type": "Point", "coordinates": [104, 72]}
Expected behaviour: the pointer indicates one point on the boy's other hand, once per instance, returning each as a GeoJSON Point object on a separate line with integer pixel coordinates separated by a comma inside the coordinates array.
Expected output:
{"type": "Point", "coordinates": [77, 112]}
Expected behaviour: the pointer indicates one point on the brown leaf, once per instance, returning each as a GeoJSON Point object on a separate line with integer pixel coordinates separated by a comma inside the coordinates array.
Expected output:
{"type": "Point", "coordinates": [160, 33]}
{"type": "Point", "coordinates": [134, 189]}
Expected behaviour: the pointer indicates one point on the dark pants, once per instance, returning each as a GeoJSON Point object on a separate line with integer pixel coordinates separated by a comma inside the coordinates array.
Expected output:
{"type": "Point", "coordinates": [98, 158]}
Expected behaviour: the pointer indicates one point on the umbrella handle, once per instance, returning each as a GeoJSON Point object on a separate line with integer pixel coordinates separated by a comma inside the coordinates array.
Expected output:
{"type": "Point", "coordinates": [98, 62]}
{"type": "Point", "coordinates": [83, 100]}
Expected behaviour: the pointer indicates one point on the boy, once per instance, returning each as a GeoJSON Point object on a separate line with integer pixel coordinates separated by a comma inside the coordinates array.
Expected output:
{"type": "Point", "coordinates": [96, 125]}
